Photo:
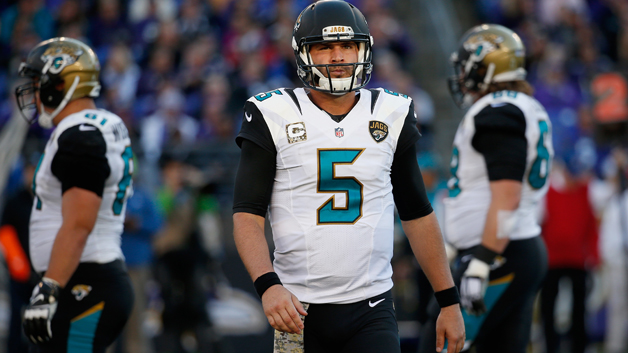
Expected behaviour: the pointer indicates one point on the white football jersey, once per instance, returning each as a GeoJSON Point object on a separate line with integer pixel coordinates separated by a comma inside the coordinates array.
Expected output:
{"type": "Point", "coordinates": [103, 243]}
{"type": "Point", "coordinates": [469, 191]}
{"type": "Point", "coordinates": [332, 205]}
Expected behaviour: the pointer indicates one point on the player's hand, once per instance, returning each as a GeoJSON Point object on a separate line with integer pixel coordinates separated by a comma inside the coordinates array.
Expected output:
{"type": "Point", "coordinates": [450, 326]}
{"type": "Point", "coordinates": [473, 287]}
{"type": "Point", "coordinates": [38, 314]}
{"type": "Point", "coordinates": [282, 309]}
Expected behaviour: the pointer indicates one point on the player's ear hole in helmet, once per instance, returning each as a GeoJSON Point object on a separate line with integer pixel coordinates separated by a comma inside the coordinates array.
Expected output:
{"type": "Point", "coordinates": [332, 21]}
{"type": "Point", "coordinates": [488, 58]}
{"type": "Point", "coordinates": [59, 70]}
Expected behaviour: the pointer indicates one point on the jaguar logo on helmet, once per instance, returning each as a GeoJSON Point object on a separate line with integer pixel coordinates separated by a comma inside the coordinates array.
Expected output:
{"type": "Point", "coordinates": [485, 37]}
{"type": "Point", "coordinates": [55, 64]}
{"type": "Point", "coordinates": [298, 23]}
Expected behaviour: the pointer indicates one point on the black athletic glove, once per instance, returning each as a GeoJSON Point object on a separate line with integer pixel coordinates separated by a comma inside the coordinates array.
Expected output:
{"type": "Point", "coordinates": [475, 281]}
{"type": "Point", "coordinates": [38, 314]}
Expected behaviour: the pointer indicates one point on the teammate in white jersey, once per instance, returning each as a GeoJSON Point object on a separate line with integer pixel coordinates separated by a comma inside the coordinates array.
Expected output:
{"type": "Point", "coordinates": [332, 160]}
{"type": "Point", "coordinates": [81, 186]}
{"type": "Point", "coordinates": [502, 153]}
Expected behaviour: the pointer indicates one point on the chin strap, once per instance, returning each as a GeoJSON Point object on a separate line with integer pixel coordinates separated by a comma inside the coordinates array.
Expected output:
{"type": "Point", "coordinates": [45, 119]}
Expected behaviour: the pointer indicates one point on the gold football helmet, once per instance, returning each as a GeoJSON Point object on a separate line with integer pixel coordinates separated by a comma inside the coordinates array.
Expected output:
{"type": "Point", "coordinates": [61, 69]}
{"type": "Point", "coordinates": [487, 53]}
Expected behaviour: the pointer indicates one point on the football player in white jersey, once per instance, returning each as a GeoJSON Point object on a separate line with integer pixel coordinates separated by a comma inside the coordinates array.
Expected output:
{"type": "Point", "coordinates": [81, 185]}
{"type": "Point", "coordinates": [501, 159]}
{"type": "Point", "coordinates": [330, 162]}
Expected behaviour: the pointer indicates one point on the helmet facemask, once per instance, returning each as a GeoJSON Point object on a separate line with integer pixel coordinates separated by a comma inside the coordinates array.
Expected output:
{"type": "Point", "coordinates": [472, 76]}
{"type": "Point", "coordinates": [26, 94]}
{"type": "Point", "coordinates": [318, 77]}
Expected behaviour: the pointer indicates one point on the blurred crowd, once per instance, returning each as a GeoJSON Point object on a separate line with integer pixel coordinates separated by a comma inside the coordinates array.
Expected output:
{"type": "Point", "coordinates": [178, 73]}
{"type": "Point", "coordinates": [577, 62]}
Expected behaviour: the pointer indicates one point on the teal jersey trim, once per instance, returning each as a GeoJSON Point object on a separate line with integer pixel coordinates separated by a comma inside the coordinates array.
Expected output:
{"type": "Point", "coordinates": [123, 185]}
{"type": "Point", "coordinates": [540, 167]}
{"type": "Point", "coordinates": [453, 184]}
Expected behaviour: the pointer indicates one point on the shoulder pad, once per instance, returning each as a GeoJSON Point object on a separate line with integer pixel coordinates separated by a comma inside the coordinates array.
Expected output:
{"type": "Point", "coordinates": [495, 98]}
{"type": "Point", "coordinates": [501, 116]}
{"type": "Point", "coordinates": [82, 139]}
{"type": "Point", "coordinates": [99, 118]}
{"type": "Point", "coordinates": [394, 94]}
{"type": "Point", "coordinates": [385, 102]}
{"type": "Point", "coordinates": [262, 97]}
{"type": "Point", "coordinates": [278, 101]}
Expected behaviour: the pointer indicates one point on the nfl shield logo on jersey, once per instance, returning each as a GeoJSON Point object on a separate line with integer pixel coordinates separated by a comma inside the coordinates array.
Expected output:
{"type": "Point", "coordinates": [340, 132]}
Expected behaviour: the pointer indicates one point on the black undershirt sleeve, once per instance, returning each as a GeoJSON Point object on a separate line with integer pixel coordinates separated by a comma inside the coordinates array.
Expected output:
{"type": "Point", "coordinates": [254, 179]}
{"type": "Point", "coordinates": [254, 129]}
{"type": "Point", "coordinates": [500, 138]}
{"type": "Point", "coordinates": [408, 188]}
{"type": "Point", "coordinates": [409, 133]}
{"type": "Point", "coordinates": [81, 159]}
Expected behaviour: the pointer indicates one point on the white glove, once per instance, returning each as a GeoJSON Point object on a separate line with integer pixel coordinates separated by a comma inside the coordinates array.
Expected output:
{"type": "Point", "coordinates": [473, 287]}
{"type": "Point", "coordinates": [39, 312]}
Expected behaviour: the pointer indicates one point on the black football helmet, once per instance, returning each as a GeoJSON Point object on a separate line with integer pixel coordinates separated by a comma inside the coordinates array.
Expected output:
{"type": "Point", "coordinates": [61, 69]}
{"type": "Point", "coordinates": [332, 21]}
{"type": "Point", "coordinates": [487, 54]}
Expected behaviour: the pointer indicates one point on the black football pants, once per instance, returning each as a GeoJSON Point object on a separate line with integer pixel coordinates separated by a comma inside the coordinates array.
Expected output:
{"type": "Point", "coordinates": [93, 308]}
{"type": "Point", "coordinates": [368, 326]}
{"type": "Point", "coordinates": [509, 299]}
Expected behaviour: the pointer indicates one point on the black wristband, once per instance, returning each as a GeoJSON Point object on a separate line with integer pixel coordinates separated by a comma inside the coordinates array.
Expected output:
{"type": "Point", "coordinates": [447, 297]}
{"type": "Point", "coordinates": [265, 281]}
{"type": "Point", "coordinates": [485, 254]}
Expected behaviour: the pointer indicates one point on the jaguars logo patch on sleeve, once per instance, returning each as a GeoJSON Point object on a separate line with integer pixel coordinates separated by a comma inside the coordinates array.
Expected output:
{"type": "Point", "coordinates": [378, 130]}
